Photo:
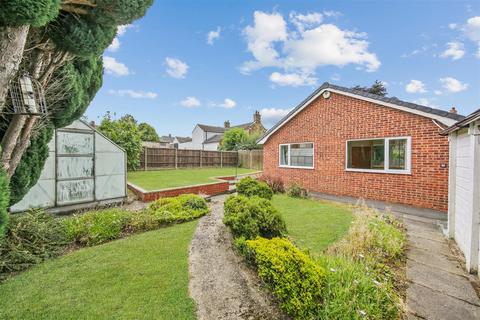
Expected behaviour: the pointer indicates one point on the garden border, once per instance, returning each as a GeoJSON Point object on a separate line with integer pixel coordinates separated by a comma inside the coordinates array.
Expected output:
{"type": "Point", "coordinates": [222, 185]}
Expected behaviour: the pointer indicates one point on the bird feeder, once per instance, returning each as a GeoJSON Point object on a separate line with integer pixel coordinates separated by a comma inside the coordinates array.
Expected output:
{"type": "Point", "coordinates": [27, 96]}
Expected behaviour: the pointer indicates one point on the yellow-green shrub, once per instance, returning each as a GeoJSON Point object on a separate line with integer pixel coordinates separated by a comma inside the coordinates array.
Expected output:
{"type": "Point", "coordinates": [178, 209]}
{"type": "Point", "coordinates": [290, 274]}
{"type": "Point", "coordinates": [250, 187]}
{"type": "Point", "coordinates": [253, 217]}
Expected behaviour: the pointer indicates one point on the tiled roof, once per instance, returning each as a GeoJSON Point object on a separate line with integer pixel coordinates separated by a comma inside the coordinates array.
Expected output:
{"type": "Point", "coordinates": [183, 139]}
{"type": "Point", "coordinates": [166, 139]}
{"type": "Point", "coordinates": [214, 139]}
{"type": "Point", "coordinates": [392, 100]}
{"type": "Point", "coordinates": [463, 123]}
{"type": "Point", "coordinates": [208, 128]}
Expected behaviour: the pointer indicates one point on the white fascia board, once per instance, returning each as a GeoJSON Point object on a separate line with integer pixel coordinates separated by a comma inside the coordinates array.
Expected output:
{"type": "Point", "coordinates": [444, 120]}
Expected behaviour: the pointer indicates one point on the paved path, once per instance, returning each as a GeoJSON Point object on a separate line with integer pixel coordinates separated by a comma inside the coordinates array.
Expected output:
{"type": "Point", "coordinates": [439, 288]}
{"type": "Point", "coordinates": [222, 286]}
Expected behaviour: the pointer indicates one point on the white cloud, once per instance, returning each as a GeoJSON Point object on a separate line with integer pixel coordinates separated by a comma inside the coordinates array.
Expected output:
{"type": "Point", "coordinates": [307, 47]}
{"type": "Point", "coordinates": [471, 30]}
{"type": "Point", "coordinates": [302, 21]}
{"type": "Point", "coordinates": [227, 104]}
{"type": "Point", "coordinates": [415, 86]}
{"type": "Point", "coordinates": [437, 92]}
{"type": "Point", "coordinates": [453, 85]}
{"type": "Point", "coordinates": [190, 102]}
{"type": "Point", "coordinates": [176, 68]}
{"type": "Point", "coordinates": [112, 66]}
{"type": "Point", "coordinates": [292, 79]}
{"type": "Point", "coordinates": [335, 77]}
{"type": "Point", "coordinates": [415, 52]}
{"type": "Point", "coordinates": [452, 26]}
{"type": "Point", "coordinates": [455, 50]}
{"type": "Point", "coordinates": [213, 35]}
{"type": "Point", "coordinates": [134, 94]}
{"type": "Point", "coordinates": [115, 45]}
{"type": "Point", "coordinates": [271, 116]}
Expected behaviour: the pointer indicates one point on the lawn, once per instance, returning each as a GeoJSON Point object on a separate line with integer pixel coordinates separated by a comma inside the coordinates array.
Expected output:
{"type": "Point", "coordinates": [143, 276]}
{"type": "Point", "coordinates": [313, 224]}
{"type": "Point", "coordinates": [171, 178]}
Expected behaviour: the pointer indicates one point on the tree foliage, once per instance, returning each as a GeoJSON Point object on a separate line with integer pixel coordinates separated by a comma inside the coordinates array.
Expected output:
{"type": "Point", "coordinates": [148, 133]}
{"type": "Point", "coordinates": [126, 134]}
{"type": "Point", "coordinates": [4, 201]}
{"type": "Point", "coordinates": [28, 12]}
{"type": "Point", "coordinates": [28, 171]}
{"type": "Point", "coordinates": [239, 139]}
{"type": "Point", "coordinates": [378, 88]}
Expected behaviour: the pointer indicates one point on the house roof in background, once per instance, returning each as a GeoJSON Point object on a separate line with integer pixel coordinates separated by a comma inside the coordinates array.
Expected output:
{"type": "Point", "coordinates": [183, 139]}
{"type": "Point", "coordinates": [214, 139]}
{"type": "Point", "coordinates": [445, 117]}
{"type": "Point", "coordinates": [463, 123]}
{"type": "Point", "coordinates": [216, 129]}
{"type": "Point", "coordinates": [166, 139]}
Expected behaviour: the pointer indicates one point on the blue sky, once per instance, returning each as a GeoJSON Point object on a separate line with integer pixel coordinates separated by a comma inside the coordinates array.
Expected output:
{"type": "Point", "coordinates": [189, 62]}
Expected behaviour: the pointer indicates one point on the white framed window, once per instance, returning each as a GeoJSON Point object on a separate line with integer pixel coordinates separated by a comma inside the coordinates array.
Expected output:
{"type": "Point", "coordinates": [384, 155]}
{"type": "Point", "coordinates": [296, 155]}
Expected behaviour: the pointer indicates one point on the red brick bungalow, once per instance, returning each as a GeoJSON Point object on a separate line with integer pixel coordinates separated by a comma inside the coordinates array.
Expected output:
{"type": "Point", "coordinates": [345, 142]}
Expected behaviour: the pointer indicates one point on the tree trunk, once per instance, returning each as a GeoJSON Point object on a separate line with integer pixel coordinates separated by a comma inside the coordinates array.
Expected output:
{"type": "Point", "coordinates": [12, 44]}
{"type": "Point", "coordinates": [10, 138]}
{"type": "Point", "coordinates": [22, 145]}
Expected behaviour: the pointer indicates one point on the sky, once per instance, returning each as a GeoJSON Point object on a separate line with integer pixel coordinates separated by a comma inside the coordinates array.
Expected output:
{"type": "Point", "coordinates": [189, 62]}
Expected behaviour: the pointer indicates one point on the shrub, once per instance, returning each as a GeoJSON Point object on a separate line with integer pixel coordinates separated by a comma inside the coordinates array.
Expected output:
{"type": "Point", "coordinates": [275, 183]}
{"type": "Point", "coordinates": [375, 237]}
{"type": "Point", "coordinates": [250, 187]}
{"type": "Point", "coordinates": [290, 274]}
{"type": "Point", "coordinates": [96, 227]}
{"type": "Point", "coordinates": [179, 209]}
{"type": "Point", "coordinates": [4, 201]}
{"type": "Point", "coordinates": [352, 292]}
{"type": "Point", "coordinates": [30, 238]}
{"type": "Point", "coordinates": [253, 217]}
{"type": "Point", "coordinates": [296, 191]}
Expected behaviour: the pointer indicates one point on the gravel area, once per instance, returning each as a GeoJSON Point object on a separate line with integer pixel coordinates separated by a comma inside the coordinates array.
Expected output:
{"type": "Point", "coordinates": [222, 286]}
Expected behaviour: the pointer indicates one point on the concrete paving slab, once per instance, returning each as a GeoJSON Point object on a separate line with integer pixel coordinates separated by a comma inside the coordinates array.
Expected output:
{"type": "Point", "coordinates": [429, 245]}
{"type": "Point", "coordinates": [433, 260]}
{"type": "Point", "coordinates": [429, 304]}
{"type": "Point", "coordinates": [445, 282]}
{"type": "Point", "coordinates": [427, 233]}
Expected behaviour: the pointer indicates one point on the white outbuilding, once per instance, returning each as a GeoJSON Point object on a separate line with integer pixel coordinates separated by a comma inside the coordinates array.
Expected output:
{"type": "Point", "coordinates": [84, 169]}
{"type": "Point", "coordinates": [464, 188]}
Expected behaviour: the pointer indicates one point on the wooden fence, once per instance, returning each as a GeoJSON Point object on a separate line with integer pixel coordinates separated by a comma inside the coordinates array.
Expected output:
{"type": "Point", "coordinates": [252, 159]}
{"type": "Point", "coordinates": [162, 158]}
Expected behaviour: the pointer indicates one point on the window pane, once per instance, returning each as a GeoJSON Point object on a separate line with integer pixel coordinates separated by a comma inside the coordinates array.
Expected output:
{"type": "Point", "coordinates": [397, 154]}
{"type": "Point", "coordinates": [283, 155]}
{"type": "Point", "coordinates": [366, 154]}
{"type": "Point", "coordinates": [301, 155]}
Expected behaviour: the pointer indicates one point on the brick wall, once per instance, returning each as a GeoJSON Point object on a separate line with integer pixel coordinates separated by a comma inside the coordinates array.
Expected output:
{"type": "Point", "coordinates": [329, 123]}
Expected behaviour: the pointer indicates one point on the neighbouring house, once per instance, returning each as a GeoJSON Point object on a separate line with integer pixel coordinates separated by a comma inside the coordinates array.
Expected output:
{"type": "Point", "coordinates": [206, 137]}
{"type": "Point", "coordinates": [350, 143]}
{"type": "Point", "coordinates": [169, 142]}
{"type": "Point", "coordinates": [182, 142]}
{"type": "Point", "coordinates": [84, 169]}
{"type": "Point", "coordinates": [464, 187]}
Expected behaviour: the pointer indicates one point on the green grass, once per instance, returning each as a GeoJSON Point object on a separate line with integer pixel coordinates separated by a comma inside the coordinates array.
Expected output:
{"type": "Point", "coordinates": [143, 276]}
{"type": "Point", "coordinates": [313, 224]}
{"type": "Point", "coordinates": [171, 178]}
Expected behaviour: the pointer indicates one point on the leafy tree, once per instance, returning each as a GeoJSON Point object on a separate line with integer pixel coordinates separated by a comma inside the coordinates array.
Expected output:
{"type": "Point", "coordinates": [4, 201]}
{"type": "Point", "coordinates": [233, 139]}
{"type": "Point", "coordinates": [378, 88]}
{"type": "Point", "coordinates": [126, 134]}
{"type": "Point", "coordinates": [148, 133]}
{"type": "Point", "coordinates": [250, 143]}
{"type": "Point", "coordinates": [32, 12]}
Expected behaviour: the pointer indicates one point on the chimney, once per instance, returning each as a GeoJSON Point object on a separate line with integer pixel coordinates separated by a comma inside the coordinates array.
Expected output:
{"type": "Point", "coordinates": [226, 124]}
{"type": "Point", "coordinates": [453, 110]}
{"type": "Point", "coordinates": [257, 117]}
{"type": "Point", "coordinates": [169, 135]}
{"type": "Point", "coordinates": [92, 124]}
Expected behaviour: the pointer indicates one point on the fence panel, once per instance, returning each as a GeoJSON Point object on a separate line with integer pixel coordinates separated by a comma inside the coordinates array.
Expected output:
{"type": "Point", "coordinates": [162, 158]}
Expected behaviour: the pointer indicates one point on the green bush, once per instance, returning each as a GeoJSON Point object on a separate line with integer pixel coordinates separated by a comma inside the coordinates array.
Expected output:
{"type": "Point", "coordinates": [253, 217]}
{"type": "Point", "coordinates": [250, 187]}
{"type": "Point", "coordinates": [179, 209]}
{"type": "Point", "coordinates": [4, 201]}
{"type": "Point", "coordinates": [294, 278]}
{"type": "Point", "coordinates": [30, 238]}
{"type": "Point", "coordinates": [351, 291]}
{"type": "Point", "coordinates": [97, 227]}
{"type": "Point", "coordinates": [297, 191]}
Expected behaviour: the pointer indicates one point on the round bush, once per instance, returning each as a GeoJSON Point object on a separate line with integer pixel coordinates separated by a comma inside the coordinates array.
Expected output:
{"type": "Point", "coordinates": [253, 217]}
{"type": "Point", "coordinates": [28, 12]}
{"type": "Point", "coordinates": [250, 187]}
{"type": "Point", "coordinates": [293, 277]}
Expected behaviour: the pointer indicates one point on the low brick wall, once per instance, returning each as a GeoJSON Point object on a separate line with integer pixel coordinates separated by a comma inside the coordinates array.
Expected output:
{"type": "Point", "coordinates": [210, 189]}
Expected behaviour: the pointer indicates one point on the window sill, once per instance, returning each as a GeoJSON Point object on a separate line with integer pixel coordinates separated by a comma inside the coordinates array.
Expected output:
{"type": "Point", "coordinates": [296, 167]}
{"type": "Point", "coordinates": [404, 172]}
